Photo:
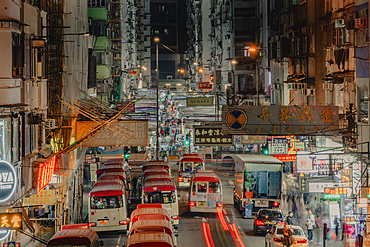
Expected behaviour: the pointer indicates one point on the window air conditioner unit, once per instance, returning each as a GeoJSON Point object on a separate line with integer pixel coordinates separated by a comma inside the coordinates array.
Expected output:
{"type": "Point", "coordinates": [339, 23]}
{"type": "Point", "coordinates": [49, 124]}
{"type": "Point", "coordinates": [290, 34]}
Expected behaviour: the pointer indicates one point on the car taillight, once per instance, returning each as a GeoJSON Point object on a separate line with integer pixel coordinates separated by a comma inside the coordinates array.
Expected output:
{"type": "Point", "coordinates": [303, 241]}
{"type": "Point", "coordinates": [260, 223]}
{"type": "Point", "coordinates": [192, 204]}
{"type": "Point", "coordinates": [123, 222]}
{"type": "Point", "coordinates": [281, 223]}
{"type": "Point", "coordinates": [275, 204]}
{"type": "Point", "coordinates": [92, 213]}
{"type": "Point", "coordinates": [181, 179]}
{"type": "Point", "coordinates": [277, 239]}
{"type": "Point", "coordinates": [175, 217]}
{"type": "Point", "coordinates": [219, 205]}
{"type": "Point", "coordinates": [92, 224]}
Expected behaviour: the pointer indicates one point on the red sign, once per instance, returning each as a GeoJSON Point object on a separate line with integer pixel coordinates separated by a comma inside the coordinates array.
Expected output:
{"type": "Point", "coordinates": [286, 157]}
{"type": "Point", "coordinates": [204, 85]}
{"type": "Point", "coordinates": [92, 160]}
{"type": "Point", "coordinates": [46, 171]}
{"type": "Point", "coordinates": [120, 105]}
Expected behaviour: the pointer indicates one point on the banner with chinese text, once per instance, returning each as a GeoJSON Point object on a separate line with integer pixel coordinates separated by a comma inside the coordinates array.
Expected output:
{"type": "Point", "coordinates": [199, 101]}
{"type": "Point", "coordinates": [204, 85]}
{"type": "Point", "coordinates": [280, 120]}
{"type": "Point", "coordinates": [211, 136]}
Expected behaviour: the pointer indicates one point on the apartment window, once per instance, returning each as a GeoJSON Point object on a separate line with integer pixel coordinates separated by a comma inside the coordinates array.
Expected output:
{"type": "Point", "coordinates": [166, 31]}
{"type": "Point", "coordinates": [5, 137]}
{"type": "Point", "coordinates": [161, 8]}
{"type": "Point", "coordinates": [97, 3]}
{"type": "Point", "coordinates": [247, 53]}
{"type": "Point", "coordinates": [156, 31]}
{"type": "Point", "coordinates": [16, 140]}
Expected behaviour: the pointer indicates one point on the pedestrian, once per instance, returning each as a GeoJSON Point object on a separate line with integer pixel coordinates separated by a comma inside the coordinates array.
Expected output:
{"type": "Point", "coordinates": [310, 223]}
{"type": "Point", "coordinates": [289, 219]}
{"type": "Point", "coordinates": [133, 187]}
{"type": "Point", "coordinates": [337, 224]}
{"type": "Point", "coordinates": [288, 239]}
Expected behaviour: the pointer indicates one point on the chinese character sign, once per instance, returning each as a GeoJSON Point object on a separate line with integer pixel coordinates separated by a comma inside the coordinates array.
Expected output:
{"type": "Point", "coordinates": [211, 136]}
{"type": "Point", "coordinates": [204, 85]}
{"type": "Point", "coordinates": [199, 101]}
{"type": "Point", "coordinates": [11, 220]}
{"type": "Point", "coordinates": [46, 171]}
{"type": "Point", "coordinates": [335, 192]}
{"type": "Point", "coordinates": [280, 120]}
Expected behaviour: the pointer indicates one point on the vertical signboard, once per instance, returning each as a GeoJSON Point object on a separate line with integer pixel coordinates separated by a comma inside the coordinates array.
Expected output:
{"type": "Point", "coordinates": [45, 173]}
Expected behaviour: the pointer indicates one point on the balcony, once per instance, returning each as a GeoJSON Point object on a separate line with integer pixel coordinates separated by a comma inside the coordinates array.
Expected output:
{"type": "Point", "coordinates": [102, 44]}
{"type": "Point", "coordinates": [103, 72]}
{"type": "Point", "coordinates": [98, 14]}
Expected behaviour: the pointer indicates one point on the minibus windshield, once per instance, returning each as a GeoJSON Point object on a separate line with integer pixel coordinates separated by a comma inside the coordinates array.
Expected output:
{"type": "Point", "coordinates": [106, 202]}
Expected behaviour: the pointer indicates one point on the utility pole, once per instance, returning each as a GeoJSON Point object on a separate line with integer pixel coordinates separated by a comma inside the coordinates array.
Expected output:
{"type": "Point", "coordinates": [157, 144]}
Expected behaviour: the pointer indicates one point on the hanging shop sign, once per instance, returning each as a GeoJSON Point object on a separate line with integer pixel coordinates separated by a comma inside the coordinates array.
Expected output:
{"type": "Point", "coordinates": [204, 85]}
{"type": "Point", "coordinates": [319, 164]}
{"type": "Point", "coordinates": [45, 197]}
{"type": "Point", "coordinates": [250, 139]}
{"type": "Point", "coordinates": [335, 192]}
{"type": "Point", "coordinates": [11, 220]}
{"type": "Point", "coordinates": [120, 105]}
{"type": "Point", "coordinates": [211, 136]}
{"type": "Point", "coordinates": [303, 185]}
{"type": "Point", "coordinates": [286, 157]}
{"type": "Point", "coordinates": [92, 160]}
{"type": "Point", "coordinates": [174, 158]}
{"type": "Point", "coordinates": [8, 180]}
{"type": "Point", "coordinates": [45, 173]}
{"type": "Point", "coordinates": [124, 133]}
{"type": "Point", "coordinates": [199, 101]}
{"type": "Point", "coordinates": [280, 120]}
{"type": "Point", "coordinates": [319, 186]}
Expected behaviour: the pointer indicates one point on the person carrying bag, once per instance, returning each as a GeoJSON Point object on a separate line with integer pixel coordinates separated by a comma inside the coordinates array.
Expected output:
{"type": "Point", "coordinates": [288, 239]}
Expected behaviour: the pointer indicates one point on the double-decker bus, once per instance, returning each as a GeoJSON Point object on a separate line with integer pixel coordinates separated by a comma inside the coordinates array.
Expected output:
{"type": "Point", "coordinates": [188, 165]}
{"type": "Point", "coordinates": [205, 193]}
{"type": "Point", "coordinates": [108, 210]}
{"type": "Point", "coordinates": [165, 193]}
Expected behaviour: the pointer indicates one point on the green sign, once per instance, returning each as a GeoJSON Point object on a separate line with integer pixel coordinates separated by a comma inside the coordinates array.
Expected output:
{"type": "Point", "coordinates": [332, 196]}
{"type": "Point", "coordinates": [199, 101]}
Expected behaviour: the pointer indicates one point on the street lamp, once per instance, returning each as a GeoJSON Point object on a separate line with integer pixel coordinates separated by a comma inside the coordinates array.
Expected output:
{"type": "Point", "coordinates": [156, 40]}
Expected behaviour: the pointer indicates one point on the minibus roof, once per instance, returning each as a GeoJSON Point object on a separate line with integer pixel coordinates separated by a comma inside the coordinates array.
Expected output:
{"type": "Point", "coordinates": [191, 160]}
{"type": "Point", "coordinates": [154, 225]}
{"type": "Point", "coordinates": [74, 226]}
{"type": "Point", "coordinates": [149, 211]}
{"type": "Point", "coordinates": [162, 185]}
{"type": "Point", "coordinates": [156, 178]}
{"type": "Point", "coordinates": [113, 175]}
{"type": "Point", "coordinates": [73, 237]}
{"type": "Point", "coordinates": [155, 172]}
{"type": "Point", "coordinates": [107, 190]}
{"type": "Point", "coordinates": [154, 166]}
{"type": "Point", "coordinates": [109, 181]}
{"type": "Point", "coordinates": [205, 176]}
{"type": "Point", "coordinates": [104, 169]}
{"type": "Point", "coordinates": [190, 155]}
{"type": "Point", "coordinates": [154, 239]}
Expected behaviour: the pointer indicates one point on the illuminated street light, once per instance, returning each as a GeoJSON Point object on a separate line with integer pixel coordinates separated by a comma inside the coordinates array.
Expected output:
{"type": "Point", "coordinates": [200, 70]}
{"type": "Point", "coordinates": [234, 61]}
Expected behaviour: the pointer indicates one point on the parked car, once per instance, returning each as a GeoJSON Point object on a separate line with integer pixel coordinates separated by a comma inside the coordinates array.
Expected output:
{"type": "Point", "coordinates": [267, 219]}
{"type": "Point", "coordinates": [274, 237]}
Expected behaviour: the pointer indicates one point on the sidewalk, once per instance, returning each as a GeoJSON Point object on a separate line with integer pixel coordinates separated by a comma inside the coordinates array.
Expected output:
{"type": "Point", "coordinates": [318, 240]}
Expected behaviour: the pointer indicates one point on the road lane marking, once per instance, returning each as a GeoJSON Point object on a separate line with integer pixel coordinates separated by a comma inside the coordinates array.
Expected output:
{"type": "Point", "coordinates": [219, 235]}
{"type": "Point", "coordinates": [227, 218]}
{"type": "Point", "coordinates": [231, 182]}
{"type": "Point", "coordinates": [234, 236]}
{"type": "Point", "coordinates": [119, 240]}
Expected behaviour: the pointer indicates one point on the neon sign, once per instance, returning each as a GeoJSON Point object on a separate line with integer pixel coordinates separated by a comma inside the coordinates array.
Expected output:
{"type": "Point", "coordinates": [46, 171]}
{"type": "Point", "coordinates": [8, 180]}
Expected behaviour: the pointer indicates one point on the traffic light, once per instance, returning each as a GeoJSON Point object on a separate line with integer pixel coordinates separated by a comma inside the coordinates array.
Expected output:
{"type": "Point", "coordinates": [265, 149]}
{"type": "Point", "coordinates": [187, 141]}
{"type": "Point", "coordinates": [126, 152]}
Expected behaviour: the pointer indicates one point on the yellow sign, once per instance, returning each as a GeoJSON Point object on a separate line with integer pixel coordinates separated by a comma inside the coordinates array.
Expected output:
{"type": "Point", "coordinates": [11, 220]}
{"type": "Point", "coordinates": [45, 197]}
{"type": "Point", "coordinates": [173, 158]}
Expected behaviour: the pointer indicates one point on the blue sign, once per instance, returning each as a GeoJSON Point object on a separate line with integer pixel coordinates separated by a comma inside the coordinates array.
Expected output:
{"type": "Point", "coordinates": [8, 180]}
{"type": "Point", "coordinates": [250, 146]}
{"type": "Point", "coordinates": [11, 244]}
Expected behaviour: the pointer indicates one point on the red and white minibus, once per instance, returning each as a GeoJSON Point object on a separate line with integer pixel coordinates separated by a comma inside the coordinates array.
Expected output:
{"type": "Point", "coordinates": [156, 177]}
{"type": "Point", "coordinates": [205, 193]}
{"type": "Point", "coordinates": [157, 164]}
{"type": "Point", "coordinates": [75, 236]}
{"type": "Point", "coordinates": [108, 210]}
{"type": "Point", "coordinates": [153, 239]}
{"type": "Point", "coordinates": [165, 193]}
{"type": "Point", "coordinates": [187, 167]}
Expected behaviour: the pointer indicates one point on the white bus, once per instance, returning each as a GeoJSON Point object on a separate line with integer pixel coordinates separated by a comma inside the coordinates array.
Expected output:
{"type": "Point", "coordinates": [108, 210]}
{"type": "Point", "coordinates": [205, 194]}
{"type": "Point", "coordinates": [163, 192]}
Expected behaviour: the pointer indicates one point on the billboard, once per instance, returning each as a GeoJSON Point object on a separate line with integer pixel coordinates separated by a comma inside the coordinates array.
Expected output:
{"type": "Point", "coordinates": [280, 120]}
{"type": "Point", "coordinates": [204, 85]}
{"type": "Point", "coordinates": [124, 133]}
{"type": "Point", "coordinates": [199, 101]}
{"type": "Point", "coordinates": [211, 136]}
